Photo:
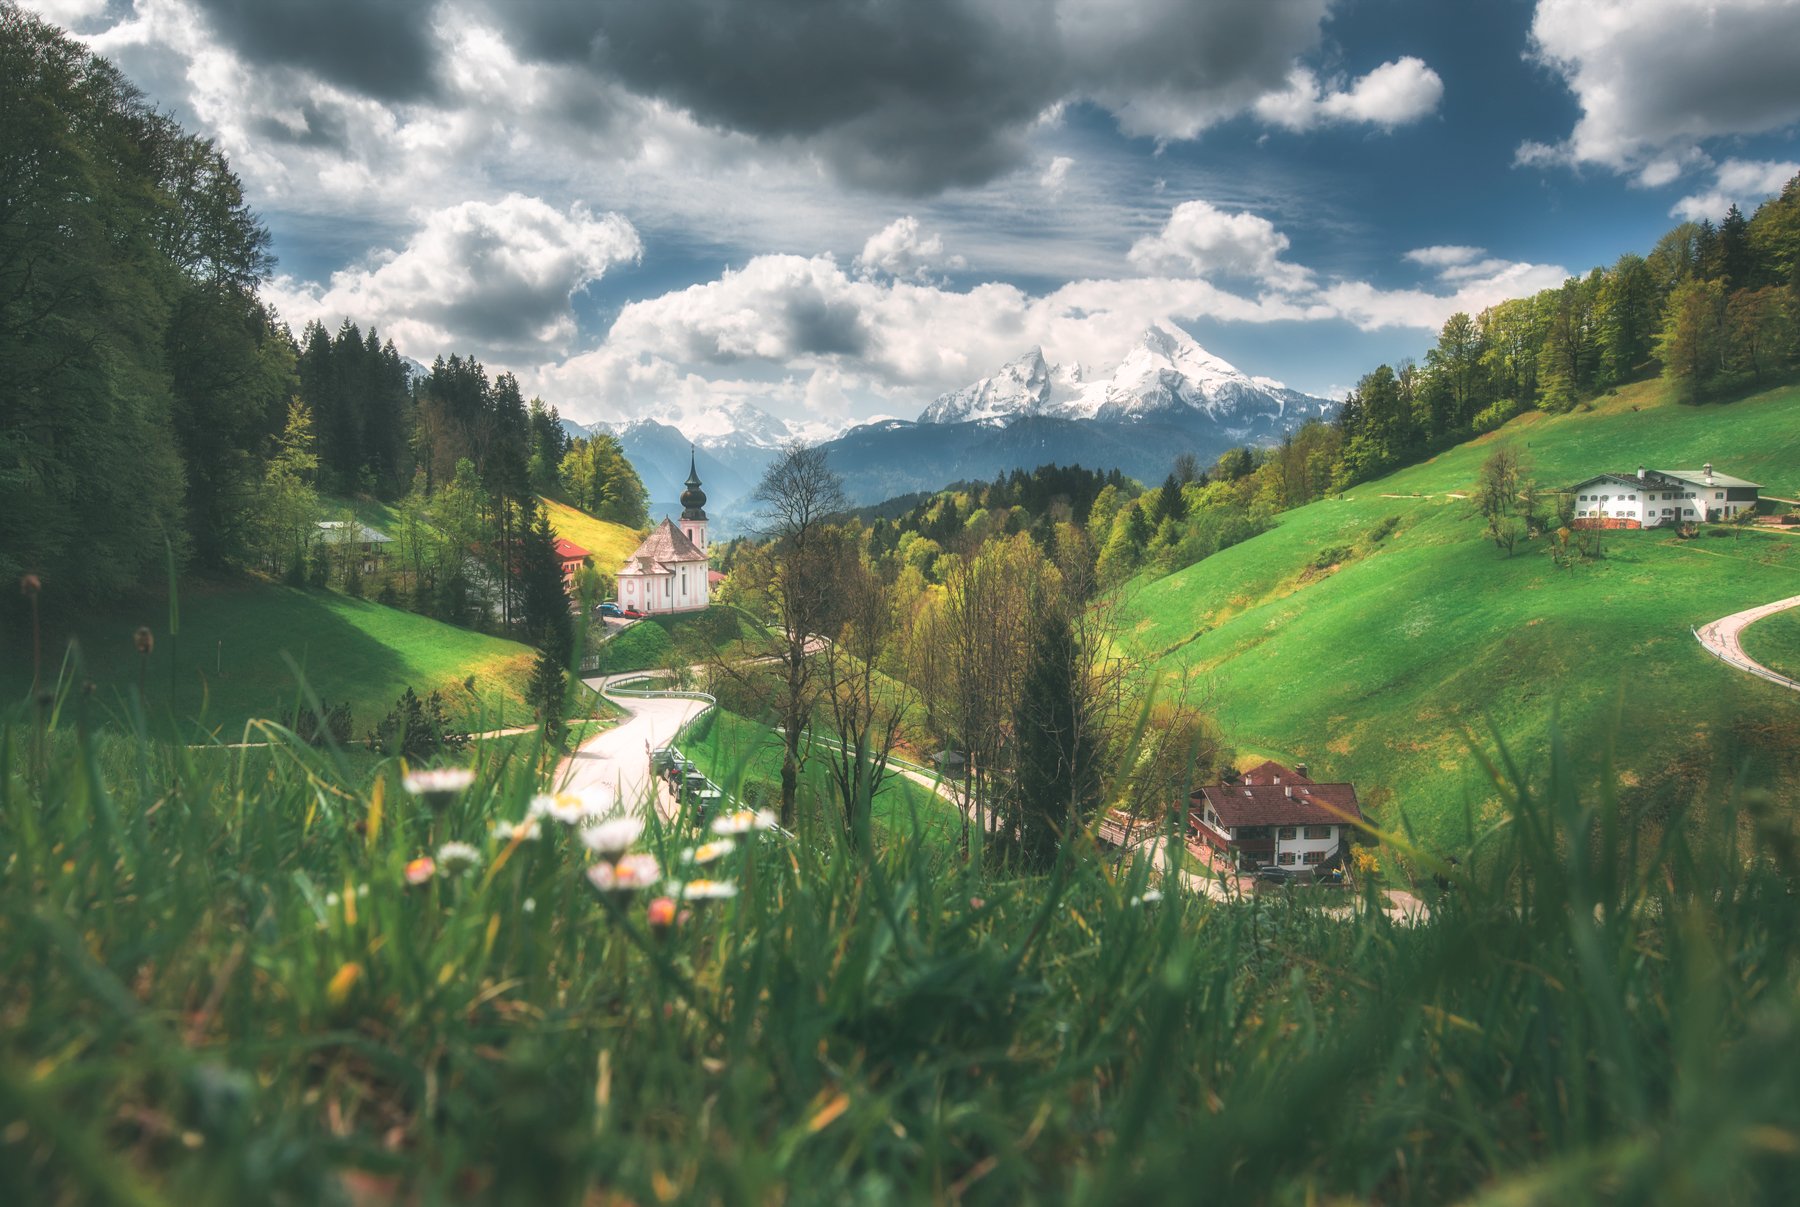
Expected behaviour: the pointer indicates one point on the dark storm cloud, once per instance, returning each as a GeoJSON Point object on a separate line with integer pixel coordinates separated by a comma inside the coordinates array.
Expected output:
{"type": "Point", "coordinates": [380, 48]}
{"type": "Point", "coordinates": [917, 95]}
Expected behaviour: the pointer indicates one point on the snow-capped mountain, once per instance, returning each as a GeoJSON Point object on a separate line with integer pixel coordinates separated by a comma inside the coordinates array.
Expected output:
{"type": "Point", "coordinates": [1027, 386]}
{"type": "Point", "coordinates": [1164, 375]}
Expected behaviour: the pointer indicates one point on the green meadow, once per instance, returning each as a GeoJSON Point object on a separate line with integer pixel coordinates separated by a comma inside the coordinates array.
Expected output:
{"type": "Point", "coordinates": [744, 757]}
{"type": "Point", "coordinates": [1774, 641]}
{"type": "Point", "coordinates": [1379, 657]}
{"type": "Point", "coordinates": [240, 647]}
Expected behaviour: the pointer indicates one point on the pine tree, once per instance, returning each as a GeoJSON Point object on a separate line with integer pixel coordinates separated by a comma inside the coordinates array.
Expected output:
{"type": "Point", "coordinates": [544, 601]}
{"type": "Point", "coordinates": [547, 693]}
{"type": "Point", "coordinates": [1058, 785]}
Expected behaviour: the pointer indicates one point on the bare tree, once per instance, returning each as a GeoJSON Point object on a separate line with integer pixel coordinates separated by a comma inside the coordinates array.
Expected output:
{"type": "Point", "coordinates": [798, 495]}
{"type": "Point", "coordinates": [867, 707]}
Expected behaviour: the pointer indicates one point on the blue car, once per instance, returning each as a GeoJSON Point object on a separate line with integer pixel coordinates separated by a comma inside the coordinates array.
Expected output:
{"type": "Point", "coordinates": [611, 608]}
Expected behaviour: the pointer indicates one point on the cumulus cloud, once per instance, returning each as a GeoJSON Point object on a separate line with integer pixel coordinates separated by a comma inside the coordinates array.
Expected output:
{"type": "Point", "coordinates": [1393, 94]}
{"type": "Point", "coordinates": [1656, 78]}
{"type": "Point", "coordinates": [1056, 175]}
{"type": "Point", "coordinates": [792, 333]}
{"type": "Point", "coordinates": [1739, 182]}
{"type": "Point", "coordinates": [1201, 239]}
{"type": "Point", "coordinates": [903, 249]}
{"type": "Point", "coordinates": [1444, 255]}
{"type": "Point", "coordinates": [493, 277]}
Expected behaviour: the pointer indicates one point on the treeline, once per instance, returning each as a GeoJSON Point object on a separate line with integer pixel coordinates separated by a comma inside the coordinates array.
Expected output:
{"type": "Point", "coordinates": [1714, 309]}
{"type": "Point", "coordinates": [1006, 655]}
{"type": "Point", "coordinates": [150, 394]}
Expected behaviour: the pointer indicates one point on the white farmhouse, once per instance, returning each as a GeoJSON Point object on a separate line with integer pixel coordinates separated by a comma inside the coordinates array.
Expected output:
{"type": "Point", "coordinates": [1271, 815]}
{"type": "Point", "coordinates": [668, 573]}
{"type": "Point", "coordinates": [1655, 497]}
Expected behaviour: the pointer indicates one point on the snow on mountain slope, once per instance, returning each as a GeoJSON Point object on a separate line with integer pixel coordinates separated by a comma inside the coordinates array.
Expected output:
{"type": "Point", "coordinates": [1165, 373]}
{"type": "Point", "coordinates": [1027, 386]}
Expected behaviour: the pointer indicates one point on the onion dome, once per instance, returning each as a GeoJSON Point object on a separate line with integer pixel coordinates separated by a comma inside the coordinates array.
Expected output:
{"type": "Point", "coordinates": [693, 499]}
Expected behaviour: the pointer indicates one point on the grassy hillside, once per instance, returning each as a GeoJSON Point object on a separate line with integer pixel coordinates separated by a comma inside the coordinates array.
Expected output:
{"type": "Point", "coordinates": [1371, 657]}
{"type": "Point", "coordinates": [1774, 641]}
{"type": "Point", "coordinates": [610, 543]}
{"type": "Point", "coordinates": [228, 662]}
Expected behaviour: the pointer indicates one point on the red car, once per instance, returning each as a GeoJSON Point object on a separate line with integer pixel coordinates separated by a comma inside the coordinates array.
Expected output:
{"type": "Point", "coordinates": [633, 614]}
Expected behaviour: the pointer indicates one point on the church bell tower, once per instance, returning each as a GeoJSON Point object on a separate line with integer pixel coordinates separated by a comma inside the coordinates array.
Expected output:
{"type": "Point", "coordinates": [693, 507]}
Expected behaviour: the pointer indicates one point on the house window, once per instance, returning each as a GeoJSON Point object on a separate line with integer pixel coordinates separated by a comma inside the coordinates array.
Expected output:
{"type": "Point", "coordinates": [1285, 832]}
{"type": "Point", "coordinates": [1313, 857]}
{"type": "Point", "coordinates": [1285, 857]}
{"type": "Point", "coordinates": [1718, 494]}
{"type": "Point", "coordinates": [1318, 831]}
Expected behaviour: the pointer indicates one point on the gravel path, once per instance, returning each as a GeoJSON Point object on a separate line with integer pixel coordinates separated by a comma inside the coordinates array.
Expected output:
{"type": "Point", "coordinates": [1721, 639]}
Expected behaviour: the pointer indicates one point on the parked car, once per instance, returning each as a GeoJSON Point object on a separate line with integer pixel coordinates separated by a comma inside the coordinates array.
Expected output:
{"type": "Point", "coordinates": [611, 608]}
{"type": "Point", "coordinates": [1271, 873]}
{"type": "Point", "coordinates": [632, 614]}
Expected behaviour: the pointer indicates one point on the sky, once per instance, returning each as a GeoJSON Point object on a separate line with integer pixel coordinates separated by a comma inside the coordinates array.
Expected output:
{"type": "Point", "coordinates": [834, 210]}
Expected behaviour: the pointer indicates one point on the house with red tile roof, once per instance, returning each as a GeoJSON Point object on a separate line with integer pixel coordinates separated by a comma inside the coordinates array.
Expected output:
{"type": "Point", "coordinates": [1271, 814]}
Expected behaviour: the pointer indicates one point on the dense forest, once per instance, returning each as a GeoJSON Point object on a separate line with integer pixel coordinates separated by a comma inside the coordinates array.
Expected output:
{"type": "Point", "coordinates": [157, 407]}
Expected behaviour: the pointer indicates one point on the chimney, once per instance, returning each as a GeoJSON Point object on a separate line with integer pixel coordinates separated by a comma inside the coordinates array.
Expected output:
{"type": "Point", "coordinates": [1707, 470]}
{"type": "Point", "coordinates": [1289, 790]}
{"type": "Point", "coordinates": [1640, 473]}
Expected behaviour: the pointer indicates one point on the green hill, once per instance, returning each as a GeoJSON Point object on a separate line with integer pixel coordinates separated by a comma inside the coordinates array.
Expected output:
{"type": "Point", "coordinates": [1372, 658]}
{"type": "Point", "coordinates": [610, 543]}
{"type": "Point", "coordinates": [230, 666]}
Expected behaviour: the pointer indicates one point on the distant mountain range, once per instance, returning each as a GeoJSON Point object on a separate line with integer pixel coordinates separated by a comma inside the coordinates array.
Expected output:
{"type": "Point", "coordinates": [1168, 395]}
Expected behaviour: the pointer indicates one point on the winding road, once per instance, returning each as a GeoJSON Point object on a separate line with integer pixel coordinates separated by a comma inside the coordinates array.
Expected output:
{"type": "Point", "coordinates": [617, 761]}
{"type": "Point", "coordinates": [1720, 639]}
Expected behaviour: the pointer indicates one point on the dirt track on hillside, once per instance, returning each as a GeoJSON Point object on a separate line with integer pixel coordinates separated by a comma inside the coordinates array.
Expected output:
{"type": "Point", "coordinates": [1720, 638]}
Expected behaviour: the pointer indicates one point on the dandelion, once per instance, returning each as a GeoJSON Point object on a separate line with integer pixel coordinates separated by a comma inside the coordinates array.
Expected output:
{"type": "Point", "coordinates": [458, 857]}
{"type": "Point", "coordinates": [661, 913]}
{"type": "Point", "coordinates": [628, 875]}
{"type": "Point", "coordinates": [707, 890]}
{"type": "Point", "coordinates": [743, 821]}
{"type": "Point", "coordinates": [612, 836]}
{"type": "Point", "coordinates": [420, 870]}
{"type": "Point", "coordinates": [706, 852]}
{"type": "Point", "coordinates": [524, 831]}
{"type": "Point", "coordinates": [438, 784]}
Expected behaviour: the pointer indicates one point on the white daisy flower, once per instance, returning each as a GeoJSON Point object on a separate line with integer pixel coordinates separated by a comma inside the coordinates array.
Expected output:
{"type": "Point", "coordinates": [438, 781]}
{"type": "Point", "coordinates": [569, 808]}
{"type": "Point", "coordinates": [744, 821]}
{"type": "Point", "coordinates": [1150, 897]}
{"type": "Point", "coordinates": [706, 852]}
{"type": "Point", "coordinates": [454, 858]}
{"type": "Point", "coordinates": [613, 835]}
{"type": "Point", "coordinates": [331, 899]}
{"type": "Point", "coordinates": [704, 890]}
{"type": "Point", "coordinates": [628, 875]}
{"type": "Point", "coordinates": [530, 905]}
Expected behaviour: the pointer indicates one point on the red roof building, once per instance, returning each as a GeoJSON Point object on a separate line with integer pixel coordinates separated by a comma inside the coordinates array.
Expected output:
{"type": "Point", "coordinates": [572, 556]}
{"type": "Point", "coordinates": [1275, 815]}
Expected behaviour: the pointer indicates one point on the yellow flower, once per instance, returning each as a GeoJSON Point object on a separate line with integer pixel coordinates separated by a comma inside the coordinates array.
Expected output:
{"type": "Point", "coordinates": [341, 984]}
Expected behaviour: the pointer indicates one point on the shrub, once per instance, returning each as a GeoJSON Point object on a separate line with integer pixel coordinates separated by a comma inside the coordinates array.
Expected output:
{"type": "Point", "coordinates": [327, 722]}
{"type": "Point", "coordinates": [417, 728]}
{"type": "Point", "coordinates": [1383, 529]}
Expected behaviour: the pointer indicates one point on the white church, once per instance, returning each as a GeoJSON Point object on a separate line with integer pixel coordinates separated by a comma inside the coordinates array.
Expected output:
{"type": "Point", "coordinates": [668, 571]}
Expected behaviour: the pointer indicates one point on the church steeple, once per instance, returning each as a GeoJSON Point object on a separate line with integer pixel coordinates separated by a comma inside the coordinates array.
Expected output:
{"type": "Point", "coordinates": [693, 499]}
{"type": "Point", "coordinates": [693, 506]}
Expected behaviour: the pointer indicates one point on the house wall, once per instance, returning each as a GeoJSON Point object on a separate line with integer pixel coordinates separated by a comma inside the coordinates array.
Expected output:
{"type": "Point", "coordinates": [1299, 846]}
{"type": "Point", "coordinates": [658, 594]}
